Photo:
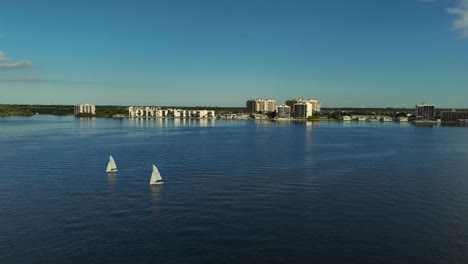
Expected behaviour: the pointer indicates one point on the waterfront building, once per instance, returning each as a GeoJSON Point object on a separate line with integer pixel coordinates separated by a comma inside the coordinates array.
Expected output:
{"type": "Point", "coordinates": [261, 105]}
{"type": "Point", "coordinates": [228, 116]}
{"type": "Point", "coordinates": [260, 116]}
{"type": "Point", "coordinates": [270, 105]}
{"type": "Point", "coordinates": [303, 110]}
{"type": "Point", "coordinates": [85, 109]}
{"type": "Point", "coordinates": [283, 111]}
{"type": "Point", "coordinates": [424, 111]}
{"type": "Point", "coordinates": [146, 111]}
{"type": "Point", "coordinates": [454, 116]}
{"type": "Point", "coordinates": [363, 118]}
{"type": "Point", "coordinates": [242, 116]}
{"type": "Point", "coordinates": [252, 105]}
{"type": "Point", "coordinates": [314, 103]}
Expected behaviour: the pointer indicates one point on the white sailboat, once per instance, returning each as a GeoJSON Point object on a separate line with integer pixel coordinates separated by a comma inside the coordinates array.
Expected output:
{"type": "Point", "coordinates": [156, 177]}
{"type": "Point", "coordinates": [111, 167]}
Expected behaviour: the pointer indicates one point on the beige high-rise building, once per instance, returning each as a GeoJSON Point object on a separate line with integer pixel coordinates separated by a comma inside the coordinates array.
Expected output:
{"type": "Point", "coordinates": [261, 105]}
{"type": "Point", "coordinates": [314, 104]}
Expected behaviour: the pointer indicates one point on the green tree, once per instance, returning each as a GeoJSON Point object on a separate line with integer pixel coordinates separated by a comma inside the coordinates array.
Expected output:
{"type": "Point", "coordinates": [272, 114]}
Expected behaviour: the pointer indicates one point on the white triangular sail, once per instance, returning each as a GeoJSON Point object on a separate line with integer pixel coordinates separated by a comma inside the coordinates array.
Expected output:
{"type": "Point", "coordinates": [155, 176]}
{"type": "Point", "coordinates": [111, 167]}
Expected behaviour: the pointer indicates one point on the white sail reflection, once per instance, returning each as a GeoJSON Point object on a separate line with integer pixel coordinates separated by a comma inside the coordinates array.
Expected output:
{"type": "Point", "coordinates": [112, 179]}
{"type": "Point", "coordinates": [155, 193]}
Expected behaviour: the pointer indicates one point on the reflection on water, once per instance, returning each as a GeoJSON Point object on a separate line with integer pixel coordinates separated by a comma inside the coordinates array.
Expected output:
{"type": "Point", "coordinates": [403, 124]}
{"type": "Point", "coordinates": [290, 122]}
{"type": "Point", "coordinates": [190, 122]}
{"type": "Point", "coordinates": [425, 124]}
{"type": "Point", "coordinates": [170, 122]}
{"type": "Point", "coordinates": [455, 124]}
{"type": "Point", "coordinates": [86, 122]}
{"type": "Point", "coordinates": [155, 193]}
{"type": "Point", "coordinates": [112, 179]}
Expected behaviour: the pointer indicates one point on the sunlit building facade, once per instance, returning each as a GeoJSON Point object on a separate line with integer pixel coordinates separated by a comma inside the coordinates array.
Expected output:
{"type": "Point", "coordinates": [146, 111]}
{"type": "Point", "coordinates": [314, 104]}
{"type": "Point", "coordinates": [303, 110]}
{"type": "Point", "coordinates": [261, 105]}
{"type": "Point", "coordinates": [85, 109]}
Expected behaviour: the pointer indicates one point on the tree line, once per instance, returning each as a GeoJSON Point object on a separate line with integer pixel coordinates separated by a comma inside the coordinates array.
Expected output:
{"type": "Point", "coordinates": [101, 110]}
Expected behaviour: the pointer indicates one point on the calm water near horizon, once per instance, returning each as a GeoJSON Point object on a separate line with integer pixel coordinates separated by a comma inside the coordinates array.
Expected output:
{"type": "Point", "coordinates": [235, 192]}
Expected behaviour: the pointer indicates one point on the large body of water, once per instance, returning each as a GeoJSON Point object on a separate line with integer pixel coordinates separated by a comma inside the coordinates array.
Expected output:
{"type": "Point", "coordinates": [235, 192]}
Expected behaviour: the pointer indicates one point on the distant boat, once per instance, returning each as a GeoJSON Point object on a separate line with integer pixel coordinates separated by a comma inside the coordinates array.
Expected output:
{"type": "Point", "coordinates": [156, 177]}
{"type": "Point", "coordinates": [111, 167]}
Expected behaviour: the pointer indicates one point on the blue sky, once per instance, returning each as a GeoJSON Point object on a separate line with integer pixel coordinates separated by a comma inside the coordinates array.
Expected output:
{"type": "Point", "coordinates": [385, 53]}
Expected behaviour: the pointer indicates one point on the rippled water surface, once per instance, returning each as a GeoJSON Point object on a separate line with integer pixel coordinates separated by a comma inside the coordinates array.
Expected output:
{"type": "Point", "coordinates": [235, 192]}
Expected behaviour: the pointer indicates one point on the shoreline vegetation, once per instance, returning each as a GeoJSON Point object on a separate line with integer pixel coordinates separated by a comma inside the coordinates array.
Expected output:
{"type": "Point", "coordinates": [105, 111]}
{"type": "Point", "coordinates": [109, 111]}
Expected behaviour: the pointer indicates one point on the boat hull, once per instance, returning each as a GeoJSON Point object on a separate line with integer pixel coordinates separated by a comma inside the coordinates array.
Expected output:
{"type": "Point", "coordinates": [157, 183]}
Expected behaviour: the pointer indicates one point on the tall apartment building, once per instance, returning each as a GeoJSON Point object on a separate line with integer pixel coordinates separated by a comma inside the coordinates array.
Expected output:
{"type": "Point", "coordinates": [283, 111]}
{"type": "Point", "coordinates": [261, 105]}
{"type": "Point", "coordinates": [252, 105]}
{"type": "Point", "coordinates": [85, 109]}
{"type": "Point", "coordinates": [424, 111]}
{"type": "Point", "coordinates": [314, 104]}
{"type": "Point", "coordinates": [303, 110]}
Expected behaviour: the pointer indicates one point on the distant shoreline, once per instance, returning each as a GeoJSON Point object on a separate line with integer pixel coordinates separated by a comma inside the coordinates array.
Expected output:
{"type": "Point", "coordinates": [110, 111]}
{"type": "Point", "coordinates": [293, 120]}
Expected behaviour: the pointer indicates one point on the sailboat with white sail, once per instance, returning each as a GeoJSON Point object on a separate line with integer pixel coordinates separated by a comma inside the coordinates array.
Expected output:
{"type": "Point", "coordinates": [156, 177]}
{"type": "Point", "coordinates": [111, 167]}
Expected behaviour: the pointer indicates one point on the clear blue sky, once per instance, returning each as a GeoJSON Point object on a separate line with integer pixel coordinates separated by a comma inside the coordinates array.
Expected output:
{"type": "Point", "coordinates": [389, 53]}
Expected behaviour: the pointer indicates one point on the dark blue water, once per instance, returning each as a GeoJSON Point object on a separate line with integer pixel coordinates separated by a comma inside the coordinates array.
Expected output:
{"type": "Point", "coordinates": [235, 192]}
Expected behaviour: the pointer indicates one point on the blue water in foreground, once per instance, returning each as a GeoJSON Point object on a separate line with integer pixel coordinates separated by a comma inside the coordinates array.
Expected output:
{"type": "Point", "coordinates": [235, 192]}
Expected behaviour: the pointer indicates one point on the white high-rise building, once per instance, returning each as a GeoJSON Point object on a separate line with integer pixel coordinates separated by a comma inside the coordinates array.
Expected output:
{"type": "Point", "coordinates": [303, 110]}
{"type": "Point", "coordinates": [85, 109]}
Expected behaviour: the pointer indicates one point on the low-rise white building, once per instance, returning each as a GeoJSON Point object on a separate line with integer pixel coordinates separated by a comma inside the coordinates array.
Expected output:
{"type": "Point", "coordinates": [145, 111]}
